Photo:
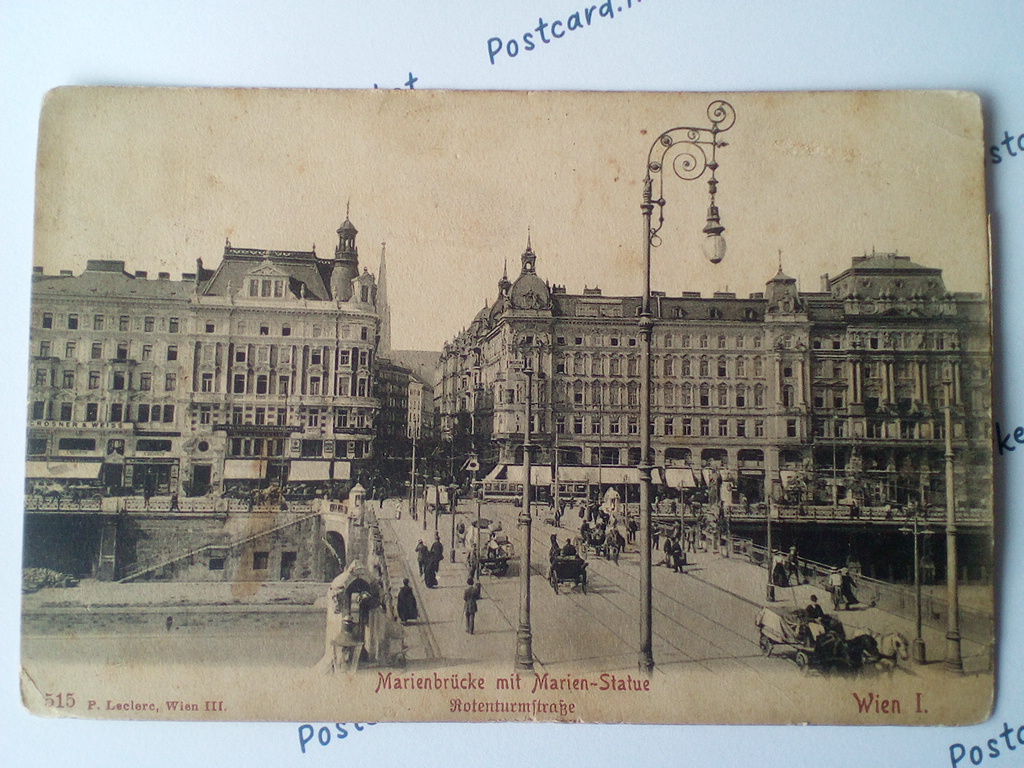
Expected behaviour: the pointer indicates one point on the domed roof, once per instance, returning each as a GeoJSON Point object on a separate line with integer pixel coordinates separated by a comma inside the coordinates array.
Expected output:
{"type": "Point", "coordinates": [529, 292]}
{"type": "Point", "coordinates": [482, 322]}
{"type": "Point", "coordinates": [347, 228]}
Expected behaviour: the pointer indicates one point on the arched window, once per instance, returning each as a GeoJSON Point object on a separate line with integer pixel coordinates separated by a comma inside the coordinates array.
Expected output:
{"type": "Point", "coordinates": [758, 367]}
{"type": "Point", "coordinates": [704, 368]}
{"type": "Point", "coordinates": [723, 396]}
{"type": "Point", "coordinates": [615, 393]}
{"type": "Point", "coordinates": [705, 395]}
{"type": "Point", "coordinates": [703, 341]}
{"type": "Point", "coordinates": [669, 366]}
{"type": "Point", "coordinates": [787, 396]}
{"type": "Point", "coordinates": [669, 395]}
{"type": "Point", "coordinates": [723, 369]}
{"type": "Point", "coordinates": [741, 367]}
{"type": "Point", "coordinates": [741, 396]}
{"type": "Point", "coordinates": [721, 338]}
{"type": "Point", "coordinates": [597, 366]}
{"type": "Point", "coordinates": [685, 368]}
{"type": "Point", "coordinates": [759, 396]}
{"type": "Point", "coordinates": [687, 398]}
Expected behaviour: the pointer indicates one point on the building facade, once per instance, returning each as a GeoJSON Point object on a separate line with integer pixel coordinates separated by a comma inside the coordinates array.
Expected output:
{"type": "Point", "coordinates": [828, 404]}
{"type": "Point", "coordinates": [250, 381]}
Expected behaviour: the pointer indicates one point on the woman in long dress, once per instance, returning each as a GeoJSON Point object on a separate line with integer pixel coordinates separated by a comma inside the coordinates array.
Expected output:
{"type": "Point", "coordinates": [407, 610]}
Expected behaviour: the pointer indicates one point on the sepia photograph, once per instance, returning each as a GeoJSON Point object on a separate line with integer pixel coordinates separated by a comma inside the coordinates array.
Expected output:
{"type": "Point", "coordinates": [510, 406]}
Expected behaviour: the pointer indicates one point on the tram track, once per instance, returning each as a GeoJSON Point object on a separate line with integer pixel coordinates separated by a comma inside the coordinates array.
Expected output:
{"type": "Point", "coordinates": [628, 583]}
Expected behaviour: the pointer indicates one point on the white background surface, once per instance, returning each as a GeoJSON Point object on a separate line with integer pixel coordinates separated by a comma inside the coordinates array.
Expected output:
{"type": "Point", "coordinates": [655, 45]}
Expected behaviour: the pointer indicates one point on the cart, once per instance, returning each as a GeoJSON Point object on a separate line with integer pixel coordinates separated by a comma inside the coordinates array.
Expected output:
{"type": "Point", "coordinates": [494, 560]}
{"type": "Point", "coordinates": [812, 644]}
{"type": "Point", "coordinates": [568, 570]}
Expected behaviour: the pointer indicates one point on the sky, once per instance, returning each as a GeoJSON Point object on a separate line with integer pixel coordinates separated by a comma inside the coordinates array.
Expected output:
{"type": "Point", "coordinates": [453, 182]}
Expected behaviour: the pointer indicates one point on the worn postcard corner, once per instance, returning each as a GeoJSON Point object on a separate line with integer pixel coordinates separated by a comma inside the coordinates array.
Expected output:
{"type": "Point", "coordinates": [579, 407]}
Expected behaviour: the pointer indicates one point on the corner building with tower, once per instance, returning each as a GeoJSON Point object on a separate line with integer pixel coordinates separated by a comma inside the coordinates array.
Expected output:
{"type": "Point", "coordinates": [822, 409]}
{"type": "Point", "coordinates": [157, 407]}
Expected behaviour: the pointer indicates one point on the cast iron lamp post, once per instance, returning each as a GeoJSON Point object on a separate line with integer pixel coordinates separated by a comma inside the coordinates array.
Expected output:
{"type": "Point", "coordinates": [524, 634]}
{"type": "Point", "coordinates": [954, 659]}
{"type": "Point", "coordinates": [693, 152]}
{"type": "Point", "coordinates": [918, 646]}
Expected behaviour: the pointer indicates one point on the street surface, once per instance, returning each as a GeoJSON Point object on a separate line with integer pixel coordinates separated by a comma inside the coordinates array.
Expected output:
{"type": "Point", "coordinates": [703, 618]}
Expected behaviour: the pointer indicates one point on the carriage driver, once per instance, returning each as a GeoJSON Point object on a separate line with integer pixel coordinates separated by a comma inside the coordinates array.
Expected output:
{"type": "Point", "coordinates": [569, 550]}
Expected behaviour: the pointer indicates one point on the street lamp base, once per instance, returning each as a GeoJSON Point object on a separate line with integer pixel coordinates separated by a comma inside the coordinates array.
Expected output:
{"type": "Point", "coordinates": [524, 651]}
{"type": "Point", "coordinates": [646, 663]}
{"type": "Point", "coordinates": [918, 651]}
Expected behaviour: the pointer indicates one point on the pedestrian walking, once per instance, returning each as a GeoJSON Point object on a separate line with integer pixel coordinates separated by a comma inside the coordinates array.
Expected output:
{"type": "Point", "coordinates": [437, 548]}
{"type": "Point", "coordinates": [422, 554]}
{"type": "Point", "coordinates": [471, 597]}
{"type": "Point", "coordinates": [407, 608]}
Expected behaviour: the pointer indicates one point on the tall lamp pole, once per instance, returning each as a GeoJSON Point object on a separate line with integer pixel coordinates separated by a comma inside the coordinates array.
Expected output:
{"type": "Point", "coordinates": [693, 152]}
{"type": "Point", "coordinates": [918, 646]}
{"type": "Point", "coordinates": [524, 635]}
{"type": "Point", "coordinates": [954, 660]}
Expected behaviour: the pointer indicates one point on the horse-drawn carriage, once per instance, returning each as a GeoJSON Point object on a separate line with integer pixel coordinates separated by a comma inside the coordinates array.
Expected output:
{"type": "Point", "coordinates": [603, 543]}
{"type": "Point", "coordinates": [568, 570]}
{"type": "Point", "coordinates": [496, 554]}
{"type": "Point", "coordinates": [824, 644]}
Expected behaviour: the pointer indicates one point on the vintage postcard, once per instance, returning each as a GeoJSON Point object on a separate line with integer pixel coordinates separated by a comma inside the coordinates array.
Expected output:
{"type": "Point", "coordinates": [402, 405]}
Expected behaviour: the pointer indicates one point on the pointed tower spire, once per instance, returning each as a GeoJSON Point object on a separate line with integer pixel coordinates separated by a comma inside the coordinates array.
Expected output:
{"type": "Point", "coordinates": [504, 284]}
{"type": "Point", "coordinates": [346, 260]}
{"type": "Point", "coordinates": [383, 307]}
{"type": "Point", "coordinates": [529, 258]}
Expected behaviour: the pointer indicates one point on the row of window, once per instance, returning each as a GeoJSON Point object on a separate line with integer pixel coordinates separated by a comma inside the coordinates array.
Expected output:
{"type": "Point", "coordinates": [668, 340]}
{"type": "Point", "coordinates": [119, 380]}
{"type": "Point", "coordinates": [312, 417]}
{"type": "Point", "coordinates": [117, 412]}
{"type": "Point", "coordinates": [705, 395]}
{"type": "Point", "coordinates": [149, 324]}
{"type": "Point", "coordinates": [96, 351]}
{"type": "Point", "coordinates": [99, 322]}
{"type": "Point", "coordinates": [264, 384]}
{"type": "Point", "coordinates": [271, 447]}
{"type": "Point", "coordinates": [283, 356]}
{"type": "Point", "coordinates": [667, 426]}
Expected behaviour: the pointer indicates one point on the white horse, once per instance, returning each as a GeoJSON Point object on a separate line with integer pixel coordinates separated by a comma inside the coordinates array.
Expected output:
{"type": "Point", "coordinates": [892, 648]}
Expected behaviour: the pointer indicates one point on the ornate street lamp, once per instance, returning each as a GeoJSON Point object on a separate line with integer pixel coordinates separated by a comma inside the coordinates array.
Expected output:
{"type": "Point", "coordinates": [954, 659]}
{"type": "Point", "coordinates": [690, 152]}
{"type": "Point", "coordinates": [524, 634]}
{"type": "Point", "coordinates": [918, 646]}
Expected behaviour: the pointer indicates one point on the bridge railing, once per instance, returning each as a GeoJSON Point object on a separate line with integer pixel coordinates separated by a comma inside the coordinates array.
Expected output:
{"type": "Point", "coordinates": [898, 599]}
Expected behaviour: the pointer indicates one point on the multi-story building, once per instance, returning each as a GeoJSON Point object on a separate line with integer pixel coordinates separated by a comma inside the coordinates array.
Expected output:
{"type": "Point", "coordinates": [252, 376]}
{"type": "Point", "coordinates": [818, 405]}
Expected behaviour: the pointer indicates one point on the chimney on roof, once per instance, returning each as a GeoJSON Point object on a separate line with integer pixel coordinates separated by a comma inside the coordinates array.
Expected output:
{"type": "Point", "coordinates": [826, 283]}
{"type": "Point", "coordinates": [37, 270]}
{"type": "Point", "coordinates": [188, 276]}
{"type": "Point", "coordinates": [141, 274]}
{"type": "Point", "coordinates": [163, 275]}
{"type": "Point", "coordinates": [66, 273]}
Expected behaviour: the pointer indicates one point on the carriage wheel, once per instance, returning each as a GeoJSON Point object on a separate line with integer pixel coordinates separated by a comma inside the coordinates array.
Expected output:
{"type": "Point", "coordinates": [803, 661]}
{"type": "Point", "coordinates": [766, 645]}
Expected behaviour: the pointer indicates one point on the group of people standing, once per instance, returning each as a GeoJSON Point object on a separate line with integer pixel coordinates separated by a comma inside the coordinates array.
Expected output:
{"type": "Point", "coordinates": [429, 560]}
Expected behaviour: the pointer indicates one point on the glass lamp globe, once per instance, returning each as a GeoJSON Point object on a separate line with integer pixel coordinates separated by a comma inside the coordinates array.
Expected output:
{"type": "Point", "coordinates": [714, 247]}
